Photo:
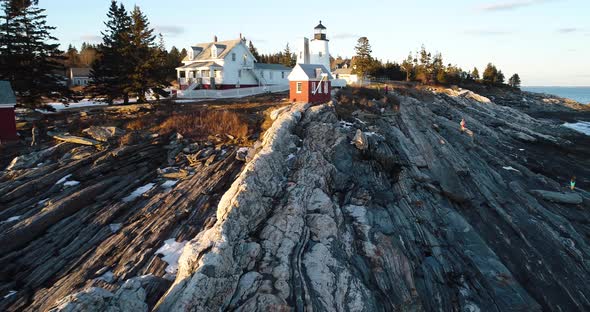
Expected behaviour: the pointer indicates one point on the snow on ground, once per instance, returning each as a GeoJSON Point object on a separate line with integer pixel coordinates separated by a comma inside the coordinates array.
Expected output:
{"type": "Point", "coordinates": [11, 219]}
{"type": "Point", "coordinates": [171, 252]}
{"type": "Point", "coordinates": [509, 168]}
{"type": "Point", "coordinates": [169, 184]}
{"type": "Point", "coordinates": [582, 127]}
{"type": "Point", "coordinates": [71, 183]}
{"type": "Point", "coordinates": [63, 180]}
{"type": "Point", "coordinates": [115, 227]}
{"type": "Point", "coordinates": [138, 192]}
{"type": "Point", "coordinates": [10, 294]}
{"type": "Point", "coordinates": [81, 104]}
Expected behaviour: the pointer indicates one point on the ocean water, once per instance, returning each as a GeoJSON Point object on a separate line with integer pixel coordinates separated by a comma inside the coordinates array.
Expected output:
{"type": "Point", "coordinates": [580, 94]}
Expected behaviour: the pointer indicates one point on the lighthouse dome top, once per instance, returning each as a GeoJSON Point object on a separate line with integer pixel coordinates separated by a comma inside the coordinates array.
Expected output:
{"type": "Point", "coordinates": [320, 26]}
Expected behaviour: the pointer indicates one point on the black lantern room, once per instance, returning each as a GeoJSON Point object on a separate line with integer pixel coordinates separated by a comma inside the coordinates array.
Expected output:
{"type": "Point", "coordinates": [320, 32]}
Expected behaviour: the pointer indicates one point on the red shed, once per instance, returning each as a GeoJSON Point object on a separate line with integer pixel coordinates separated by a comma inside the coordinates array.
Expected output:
{"type": "Point", "coordinates": [310, 83]}
{"type": "Point", "coordinates": [7, 116]}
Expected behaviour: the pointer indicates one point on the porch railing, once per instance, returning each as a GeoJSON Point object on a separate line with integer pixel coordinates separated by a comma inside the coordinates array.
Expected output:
{"type": "Point", "coordinates": [231, 93]}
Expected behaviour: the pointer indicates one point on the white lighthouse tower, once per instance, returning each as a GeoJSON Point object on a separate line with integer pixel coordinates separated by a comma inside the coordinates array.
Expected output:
{"type": "Point", "coordinates": [315, 51]}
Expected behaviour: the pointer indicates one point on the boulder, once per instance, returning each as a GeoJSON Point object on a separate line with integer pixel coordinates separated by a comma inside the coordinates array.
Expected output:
{"type": "Point", "coordinates": [104, 134]}
{"type": "Point", "coordinates": [561, 198]}
{"type": "Point", "coordinates": [74, 139]}
{"type": "Point", "coordinates": [360, 140]}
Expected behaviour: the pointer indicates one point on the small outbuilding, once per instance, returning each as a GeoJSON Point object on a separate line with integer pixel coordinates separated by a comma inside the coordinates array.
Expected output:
{"type": "Point", "coordinates": [7, 116]}
{"type": "Point", "coordinates": [310, 83]}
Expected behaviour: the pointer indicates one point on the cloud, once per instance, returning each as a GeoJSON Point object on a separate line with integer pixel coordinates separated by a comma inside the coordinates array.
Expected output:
{"type": "Point", "coordinates": [345, 36]}
{"type": "Point", "coordinates": [568, 30]}
{"type": "Point", "coordinates": [91, 38]}
{"type": "Point", "coordinates": [509, 5]}
{"type": "Point", "coordinates": [169, 30]}
{"type": "Point", "coordinates": [484, 32]}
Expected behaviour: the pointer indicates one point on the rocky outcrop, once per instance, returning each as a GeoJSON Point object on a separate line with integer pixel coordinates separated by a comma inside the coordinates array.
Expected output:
{"type": "Point", "coordinates": [389, 209]}
{"type": "Point", "coordinates": [104, 134]}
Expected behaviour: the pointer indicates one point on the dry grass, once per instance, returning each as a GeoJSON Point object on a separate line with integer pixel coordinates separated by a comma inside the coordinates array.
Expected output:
{"type": "Point", "coordinates": [201, 124]}
{"type": "Point", "coordinates": [365, 99]}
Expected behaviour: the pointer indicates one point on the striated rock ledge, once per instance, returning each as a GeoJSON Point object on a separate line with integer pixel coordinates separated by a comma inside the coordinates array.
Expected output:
{"type": "Point", "coordinates": [390, 211]}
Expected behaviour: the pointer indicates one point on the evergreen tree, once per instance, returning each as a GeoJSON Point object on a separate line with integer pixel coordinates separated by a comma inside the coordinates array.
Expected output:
{"type": "Point", "coordinates": [408, 66]}
{"type": "Point", "coordinates": [110, 71]}
{"type": "Point", "coordinates": [288, 58]}
{"type": "Point", "coordinates": [146, 58]}
{"type": "Point", "coordinates": [490, 74]}
{"type": "Point", "coordinates": [183, 54]}
{"type": "Point", "coordinates": [475, 74]}
{"type": "Point", "coordinates": [174, 60]}
{"type": "Point", "coordinates": [254, 51]}
{"type": "Point", "coordinates": [72, 57]}
{"type": "Point", "coordinates": [514, 81]}
{"type": "Point", "coordinates": [363, 61]}
{"type": "Point", "coordinates": [29, 54]}
{"type": "Point", "coordinates": [499, 77]}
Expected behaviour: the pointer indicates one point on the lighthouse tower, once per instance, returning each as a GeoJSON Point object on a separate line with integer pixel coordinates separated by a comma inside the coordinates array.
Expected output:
{"type": "Point", "coordinates": [318, 47]}
{"type": "Point", "coordinates": [315, 51]}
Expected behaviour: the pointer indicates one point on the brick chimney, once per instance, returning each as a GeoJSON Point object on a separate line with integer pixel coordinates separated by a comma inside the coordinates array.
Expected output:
{"type": "Point", "coordinates": [215, 39]}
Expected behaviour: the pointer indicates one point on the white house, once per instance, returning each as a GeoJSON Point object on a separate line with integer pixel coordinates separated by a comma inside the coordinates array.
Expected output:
{"type": "Point", "coordinates": [227, 65]}
{"type": "Point", "coordinates": [346, 75]}
{"type": "Point", "coordinates": [78, 76]}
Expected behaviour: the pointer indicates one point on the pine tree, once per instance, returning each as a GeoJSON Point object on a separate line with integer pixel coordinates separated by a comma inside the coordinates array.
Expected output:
{"type": "Point", "coordinates": [499, 78]}
{"type": "Point", "coordinates": [475, 74]}
{"type": "Point", "coordinates": [363, 61]}
{"type": "Point", "coordinates": [514, 81]}
{"type": "Point", "coordinates": [408, 67]}
{"type": "Point", "coordinates": [29, 54]}
{"type": "Point", "coordinates": [88, 54]}
{"type": "Point", "coordinates": [288, 58]}
{"type": "Point", "coordinates": [145, 57]}
{"type": "Point", "coordinates": [72, 57]}
{"type": "Point", "coordinates": [490, 74]}
{"type": "Point", "coordinates": [109, 72]}
{"type": "Point", "coordinates": [174, 60]}
{"type": "Point", "coordinates": [254, 51]}
{"type": "Point", "coordinates": [183, 54]}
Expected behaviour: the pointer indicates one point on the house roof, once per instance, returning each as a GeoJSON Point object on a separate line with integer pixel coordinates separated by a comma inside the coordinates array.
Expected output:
{"type": "Point", "coordinates": [343, 71]}
{"type": "Point", "coordinates": [7, 96]}
{"type": "Point", "coordinates": [199, 65]}
{"type": "Point", "coordinates": [271, 66]}
{"type": "Point", "coordinates": [205, 48]}
{"type": "Point", "coordinates": [307, 72]}
{"type": "Point", "coordinates": [80, 72]}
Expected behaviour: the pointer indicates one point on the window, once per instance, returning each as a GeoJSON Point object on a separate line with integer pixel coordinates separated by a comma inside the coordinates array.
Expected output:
{"type": "Point", "coordinates": [270, 75]}
{"type": "Point", "coordinates": [214, 51]}
{"type": "Point", "coordinates": [206, 73]}
{"type": "Point", "coordinates": [282, 75]}
{"type": "Point", "coordinates": [313, 87]}
{"type": "Point", "coordinates": [233, 57]}
{"type": "Point", "coordinates": [326, 91]}
{"type": "Point", "coordinates": [299, 87]}
{"type": "Point", "coordinates": [182, 74]}
{"type": "Point", "coordinates": [240, 73]}
{"type": "Point", "coordinates": [321, 54]}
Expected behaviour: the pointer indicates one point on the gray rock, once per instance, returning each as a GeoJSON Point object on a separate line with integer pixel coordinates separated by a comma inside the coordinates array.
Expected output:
{"type": "Point", "coordinates": [104, 134]}
{"type": "Point", "coordinates": [562, 198]}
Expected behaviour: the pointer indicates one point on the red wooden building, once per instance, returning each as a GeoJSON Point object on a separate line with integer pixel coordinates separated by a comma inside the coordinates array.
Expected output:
{"type": "Point", "coordinates": [7, 116]}
{"type": "Point", "coordinates": [310, 83]}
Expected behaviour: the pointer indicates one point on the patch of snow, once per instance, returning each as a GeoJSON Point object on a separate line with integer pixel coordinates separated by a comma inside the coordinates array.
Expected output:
{"type": "Point", "coordinates": [346, 124]}
{"type": "Point", "coordinates": [138, 192]}
{"type": "Point", "coordinates": [364, 123]}
{"type": "Point", "coordinates": [510, 168]}
{"type": "Point", "coordinates": [11, 219]}
{"type": "Point", "coordinates": [108, 277]}
{"type": "Point", "coordinates": [291, 156]}
{"type": "Point", "coordinates": [582, 127]}
{"type": "Point", "coordinates": [71, 183]}
{"type": "Point", "coordinates": [10, 294]}
{"type": "Point", "coordinates": [169, 184]}
{"type": "Point", "coordinates": [64, 179]}
{"type": "Point", "coordinates": [42, 202]}
{"type": "Point", "coordinates": [242, 150]}
{"type": "Point", "coordinates": [521, 149]}
{"type": "Point", "coordinates": [171, 252]}
{"type": "Point", "coordinates": [115, 227]}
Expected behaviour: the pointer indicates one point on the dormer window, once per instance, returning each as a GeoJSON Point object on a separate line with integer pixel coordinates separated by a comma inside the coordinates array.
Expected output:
{"type": "Point", "coordinates": [318, 72]}
{"type": "Point", "coordinates": [194, 52]}
{"type": "Point", "coordinates": [233, 57]}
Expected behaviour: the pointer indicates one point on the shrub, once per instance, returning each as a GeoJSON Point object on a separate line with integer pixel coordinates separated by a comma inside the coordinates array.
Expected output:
{"type": "Point", "coordinates": [201, 124]}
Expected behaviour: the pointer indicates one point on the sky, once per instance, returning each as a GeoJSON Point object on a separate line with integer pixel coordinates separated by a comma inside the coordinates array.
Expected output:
{"type": "Point", "coordinates": [547, 42]}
